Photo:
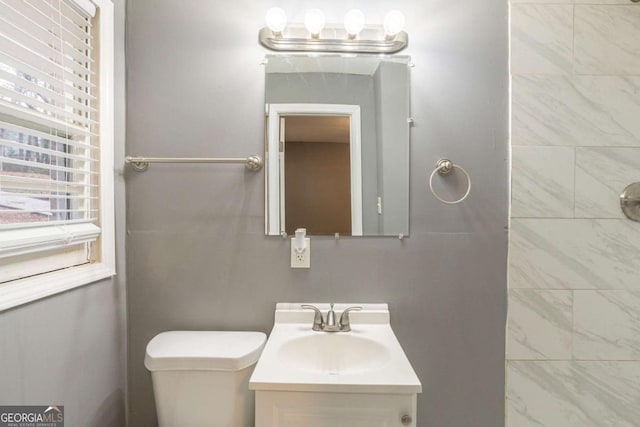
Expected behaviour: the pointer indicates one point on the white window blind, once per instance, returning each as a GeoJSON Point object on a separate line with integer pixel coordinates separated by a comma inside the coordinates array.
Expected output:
{"type": "Point", "coordinates": [49, 137]}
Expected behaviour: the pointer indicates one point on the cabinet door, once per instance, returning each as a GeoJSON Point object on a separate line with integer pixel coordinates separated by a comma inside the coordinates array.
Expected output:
{"type": "Point", "coordinates": [288, 409]}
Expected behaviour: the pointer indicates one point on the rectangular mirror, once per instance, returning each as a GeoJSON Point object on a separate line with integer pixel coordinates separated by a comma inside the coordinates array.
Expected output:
{"type": "Point", "coordinates": [337, 149]}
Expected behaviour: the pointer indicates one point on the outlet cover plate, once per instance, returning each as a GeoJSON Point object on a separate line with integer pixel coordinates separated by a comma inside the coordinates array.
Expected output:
{"type": "Point", "coordinates": [301, 260]}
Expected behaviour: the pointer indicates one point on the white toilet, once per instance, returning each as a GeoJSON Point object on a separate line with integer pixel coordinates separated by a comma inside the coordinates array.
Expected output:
{"type": "Point", "coordinates": [200, 378]}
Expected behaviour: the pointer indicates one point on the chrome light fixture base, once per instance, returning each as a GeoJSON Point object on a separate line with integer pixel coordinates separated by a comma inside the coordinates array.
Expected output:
{"type": "Point", "coordinates": [333, 39]}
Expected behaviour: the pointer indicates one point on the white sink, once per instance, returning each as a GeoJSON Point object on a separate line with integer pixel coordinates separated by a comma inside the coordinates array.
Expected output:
{"type": "Point", "coordinates": [333, 353]}
{"type": "Point", "coordinates": [368, 359]}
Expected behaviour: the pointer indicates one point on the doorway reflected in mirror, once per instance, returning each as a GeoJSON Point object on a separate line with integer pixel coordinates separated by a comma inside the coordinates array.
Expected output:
{"type": "Point", "coordinates": [317, 184]}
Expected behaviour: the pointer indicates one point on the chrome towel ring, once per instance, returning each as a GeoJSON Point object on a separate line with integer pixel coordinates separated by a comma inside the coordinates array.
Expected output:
{"type": "Point", "coordinates": [443, 168]}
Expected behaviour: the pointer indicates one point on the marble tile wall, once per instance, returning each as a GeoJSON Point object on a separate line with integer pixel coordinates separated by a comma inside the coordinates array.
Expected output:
{"type": "Point", "coordinates": [573, 335]}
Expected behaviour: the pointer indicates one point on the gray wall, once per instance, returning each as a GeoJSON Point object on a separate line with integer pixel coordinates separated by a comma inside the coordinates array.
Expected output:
{"type": "Point", "coordinates": [196, 252]}
{"type": "Point", "coordinates": [67, 350]}
{"type": "Point", "coordinates": [70, 349]}
{"type": "Point", "coordinates": [332, 88]}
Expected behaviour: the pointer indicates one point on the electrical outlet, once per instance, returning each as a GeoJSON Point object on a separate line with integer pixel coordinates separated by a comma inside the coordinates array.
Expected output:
{"type": "Point", "coordinates": [301, 259]}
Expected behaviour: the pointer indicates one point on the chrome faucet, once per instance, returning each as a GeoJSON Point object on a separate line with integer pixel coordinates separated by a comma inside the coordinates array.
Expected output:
{"type": "Point", "coordinates": [343, 325]}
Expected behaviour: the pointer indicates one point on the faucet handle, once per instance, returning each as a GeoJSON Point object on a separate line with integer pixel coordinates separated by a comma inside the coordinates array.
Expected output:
{"type": "Point", "coordinates": [318, 320]}
{"type": "Point", "coordinates": [345, 321]}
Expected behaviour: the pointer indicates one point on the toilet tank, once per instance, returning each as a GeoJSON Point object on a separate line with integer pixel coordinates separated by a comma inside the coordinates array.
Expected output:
{"type": "Point", "coordinates": [200, 378]}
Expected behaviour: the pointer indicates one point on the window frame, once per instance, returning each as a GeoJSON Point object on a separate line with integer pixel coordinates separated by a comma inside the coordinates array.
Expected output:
{"type": "Point", "coordinates": [28, 289]}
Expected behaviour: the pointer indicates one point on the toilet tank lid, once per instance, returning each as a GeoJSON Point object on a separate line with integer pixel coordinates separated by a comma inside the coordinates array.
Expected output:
{"type": "Point", "coordinates": [203, 350]}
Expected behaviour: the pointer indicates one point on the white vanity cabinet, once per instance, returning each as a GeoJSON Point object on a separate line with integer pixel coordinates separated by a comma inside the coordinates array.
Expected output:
{"type": "Point", "coordinates": [360, 377]}
{"type": "Point", "coordinates": [309, 409]}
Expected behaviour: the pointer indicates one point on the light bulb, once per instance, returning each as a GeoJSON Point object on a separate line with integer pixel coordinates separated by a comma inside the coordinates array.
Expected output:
{"type": "Point", "coordinates": [393, 22]}
{"type": "Point", "coordinates": [314, 21]}
{"type": "Point", "coordinates": [354, 22]}
{"type": "Point", "coordinates": [276, 20]}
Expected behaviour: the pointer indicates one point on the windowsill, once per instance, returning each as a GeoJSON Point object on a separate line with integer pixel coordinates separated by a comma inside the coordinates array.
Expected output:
{"type": "Point", "coordinates": [22, 291]}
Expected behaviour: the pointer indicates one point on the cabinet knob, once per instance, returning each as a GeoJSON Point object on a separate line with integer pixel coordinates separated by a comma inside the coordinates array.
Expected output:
{"type": "Point", "coordinates": [406, 420]}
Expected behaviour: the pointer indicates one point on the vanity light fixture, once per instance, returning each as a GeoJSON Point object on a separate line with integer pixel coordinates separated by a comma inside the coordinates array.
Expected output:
{"type": "Point", "coordinates": [393, 24]}
{"type": "Point", "coordinates": [314, 22]}
{"type": "Point", "coordinates": [354, 23]}
{"type": "Point", "coordinates": [276, 20]}
{"type": "Point", "coordinates": [351, 37]}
